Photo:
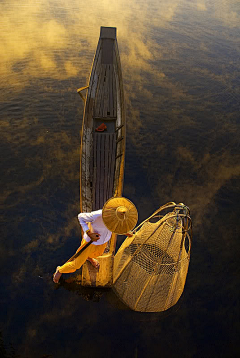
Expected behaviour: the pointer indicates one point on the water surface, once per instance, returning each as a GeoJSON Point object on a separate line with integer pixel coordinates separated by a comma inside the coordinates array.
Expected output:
{"type": "Point", "coordinates": [180, 64]}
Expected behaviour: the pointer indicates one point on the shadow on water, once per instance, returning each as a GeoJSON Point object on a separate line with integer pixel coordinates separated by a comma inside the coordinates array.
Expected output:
{"type": "Point", "coordinates": [95, 294]}
{"type": "Point", "coordinates": [87, 293]}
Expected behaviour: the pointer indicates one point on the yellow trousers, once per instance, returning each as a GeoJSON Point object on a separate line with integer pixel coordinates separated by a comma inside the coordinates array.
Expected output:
{"type": "Point", "coordinates": [91, 251]}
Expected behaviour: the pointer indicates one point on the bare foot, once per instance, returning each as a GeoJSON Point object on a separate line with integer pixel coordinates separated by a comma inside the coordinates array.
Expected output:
{"type": "Point", "coordinates": [94, 262]}
{"type": "Point", "coordinates": [57, 275]}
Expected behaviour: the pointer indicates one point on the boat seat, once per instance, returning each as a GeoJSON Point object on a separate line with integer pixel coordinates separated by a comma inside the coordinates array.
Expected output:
{"type": "Point", "coordinates": [104, 147]}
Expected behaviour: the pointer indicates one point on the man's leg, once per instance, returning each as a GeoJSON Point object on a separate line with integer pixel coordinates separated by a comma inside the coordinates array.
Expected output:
{"type": "Point", "coordinates": [90, 253]}
{"type": "Point", "coordinates": [73, 265]}
{"type": "Point", "coordinates": [98, 251]}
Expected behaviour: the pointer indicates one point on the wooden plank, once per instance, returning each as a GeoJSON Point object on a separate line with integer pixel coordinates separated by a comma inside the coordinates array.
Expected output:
{"type": "Point", "coordinates": [86, 145]}
{"type": "Point", "coordinates": [103, 92]}
{"type": "Point", "coordinates": [101, 104]}
{"type": "Point", "coordinates": [111, 176]}
{"type": "Point", "coordinates": [106, 168]}
{"type": "Point", "coordinates": [109, 194]}
{"type": "Point", "coordinates": [107, 165]}
{"type": "Point", "coordinates": [98, 174]}
{"type": "Point", "coordinates": [105, 98]}
{"type": "Point", "coordinates": [114, 95]}
{"type": "Point", "coordinates": [114, 86]}
{"type": "Point", "coordinates": [101, 165]}
{"type": "Point", "coordinates": [99, 92]}
{"type": "Point", "coordinates": [106, 93]}
{"type": "Point", "coordinates": [97, 75]}
{"type": "Point", "coordinates": [94, 169]}
{"type": "Point", "coordinates": [96, 62]}
{"type": "Point", "coordinates": [112, 162]}
{"type": "Point", "coordinates": [107, 51]}
{"type": "Point", "coordinates": [106, 160]}
{"type": "Point", "coordinates": [111, 90]}
{"type": "Point", "coordinates": [91, 161]}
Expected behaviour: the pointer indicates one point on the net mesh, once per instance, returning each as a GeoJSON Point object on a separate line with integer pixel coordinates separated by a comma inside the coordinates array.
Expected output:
{"type": "Point", "coordinates": [150, 268]}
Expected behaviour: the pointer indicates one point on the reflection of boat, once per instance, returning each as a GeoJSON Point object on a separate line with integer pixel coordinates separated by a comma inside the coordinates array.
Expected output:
{"type": "Point", "coordinates": [102, 153]}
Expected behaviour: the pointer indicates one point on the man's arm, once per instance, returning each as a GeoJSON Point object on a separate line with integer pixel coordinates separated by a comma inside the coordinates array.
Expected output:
{"type": "Point", "coordinates": [93, 235]}
{"type": "Point", "coordinates": [85, 218]}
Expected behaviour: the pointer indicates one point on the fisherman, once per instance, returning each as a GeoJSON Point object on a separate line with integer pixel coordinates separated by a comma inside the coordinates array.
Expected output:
{"type": "Point", "coordinates": [119, 215]}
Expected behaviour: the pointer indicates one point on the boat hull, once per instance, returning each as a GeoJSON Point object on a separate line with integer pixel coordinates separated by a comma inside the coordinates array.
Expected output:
{"type": "Point", "coordinates": [102, 153]}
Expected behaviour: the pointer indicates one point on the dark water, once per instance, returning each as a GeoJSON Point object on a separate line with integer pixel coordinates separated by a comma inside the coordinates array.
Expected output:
{"type": "Point", "coordinates": [181, 63]}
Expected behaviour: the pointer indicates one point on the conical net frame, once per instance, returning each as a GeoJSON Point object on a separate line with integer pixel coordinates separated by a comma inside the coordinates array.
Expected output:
{"type": "Point", "coordinates": [150, 268]}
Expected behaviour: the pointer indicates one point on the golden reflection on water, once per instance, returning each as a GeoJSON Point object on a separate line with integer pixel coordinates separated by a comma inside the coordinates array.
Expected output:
{"type": "Point", "coordinates": [57, 40]}
{"type": "Point", "coordinates": [51, 38]}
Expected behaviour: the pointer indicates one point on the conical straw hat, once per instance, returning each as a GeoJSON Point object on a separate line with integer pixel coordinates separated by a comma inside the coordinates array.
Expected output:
{"type": "Point", "coordinates": [119, 215]}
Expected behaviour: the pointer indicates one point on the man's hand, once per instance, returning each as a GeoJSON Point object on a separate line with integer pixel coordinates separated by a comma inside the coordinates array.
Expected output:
{"type": "Point", "coordinates": [94, 236]}
{"type": "Point", "coordinates": [129, 234]}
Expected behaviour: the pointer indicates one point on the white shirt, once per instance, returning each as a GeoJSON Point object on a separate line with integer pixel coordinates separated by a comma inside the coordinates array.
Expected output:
{"type": "Point", "coordinates": [94, 222]}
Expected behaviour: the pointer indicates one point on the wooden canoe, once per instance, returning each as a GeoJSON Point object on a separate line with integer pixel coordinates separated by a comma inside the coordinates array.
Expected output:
{"type": "Point", "coordinates": [102, 153]}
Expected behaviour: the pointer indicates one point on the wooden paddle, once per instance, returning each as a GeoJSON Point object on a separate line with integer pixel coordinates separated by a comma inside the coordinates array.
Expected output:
{"type": "Point", "coordinates": [81, 249]}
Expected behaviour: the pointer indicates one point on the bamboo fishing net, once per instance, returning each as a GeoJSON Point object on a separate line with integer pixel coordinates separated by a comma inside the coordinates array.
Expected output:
{"type": "Point", "coordinates": [150, 268]}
